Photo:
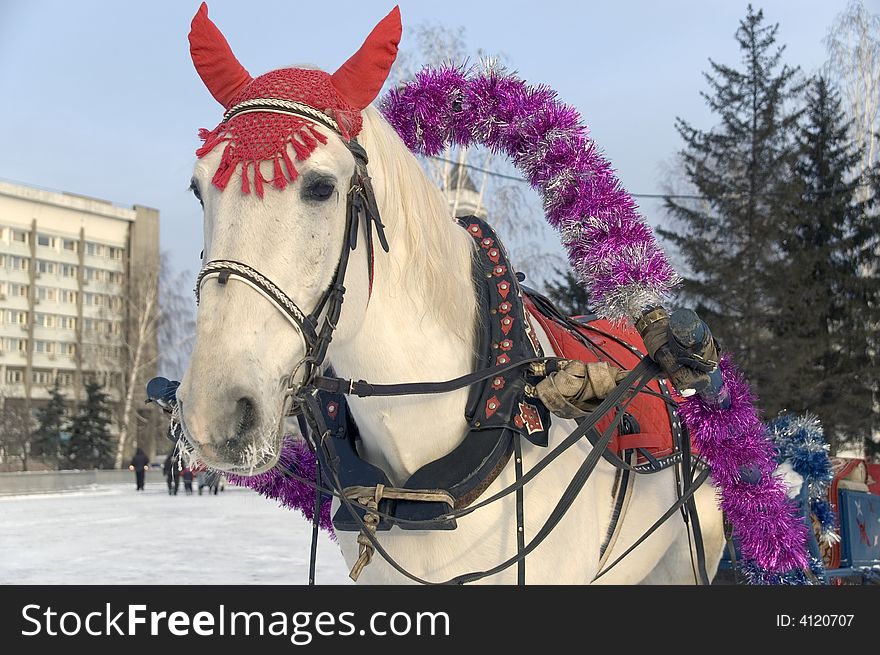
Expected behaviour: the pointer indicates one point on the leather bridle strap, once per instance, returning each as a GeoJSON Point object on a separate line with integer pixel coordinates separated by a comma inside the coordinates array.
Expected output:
{"type": "Point", "coordinates": [223, 269]}
{"type": "Point", "coordinates": [361, 204]}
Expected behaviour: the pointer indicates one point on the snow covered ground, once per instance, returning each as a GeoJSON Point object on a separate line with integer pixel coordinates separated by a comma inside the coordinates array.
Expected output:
{"type": "Point", "coordinates": [111, 534]}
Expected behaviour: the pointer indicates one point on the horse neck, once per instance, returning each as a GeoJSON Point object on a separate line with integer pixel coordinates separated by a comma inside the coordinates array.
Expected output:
{"type": "Point", "coordinates": [418, 325]}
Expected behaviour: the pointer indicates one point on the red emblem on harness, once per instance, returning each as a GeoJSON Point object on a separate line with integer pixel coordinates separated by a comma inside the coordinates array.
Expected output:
{"type": "Point", "coordinates": [528, 418]}
{"type": "Point", "coordinates": [492, 406]}
{"type": "Point", "coordinates": [332, 410]}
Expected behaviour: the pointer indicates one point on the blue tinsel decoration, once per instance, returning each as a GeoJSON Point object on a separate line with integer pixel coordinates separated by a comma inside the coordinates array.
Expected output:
{"type": "Point", "coordinates": [800, 441]}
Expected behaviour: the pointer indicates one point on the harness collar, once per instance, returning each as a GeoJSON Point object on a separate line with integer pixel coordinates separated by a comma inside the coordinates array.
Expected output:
{"type": "Point", "coordinates": [498, 411]}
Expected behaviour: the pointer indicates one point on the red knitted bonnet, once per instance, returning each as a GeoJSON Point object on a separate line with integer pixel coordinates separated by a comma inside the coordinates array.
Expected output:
{"type": "Point", "coordinates": [258, 125]}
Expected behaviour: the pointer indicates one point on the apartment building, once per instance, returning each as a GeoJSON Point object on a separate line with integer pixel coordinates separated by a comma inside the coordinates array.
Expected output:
{"type": "Point", "coordinates": [67, 265]}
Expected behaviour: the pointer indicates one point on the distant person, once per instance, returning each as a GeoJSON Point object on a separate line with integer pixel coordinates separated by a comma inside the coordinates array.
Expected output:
{"type": "Point", "coordinates": [188, 480]}
{"type": "Point", "coordinates": [172, 474]}
{"type": "Point", "coordinates": [201, 477]}
{"type": "Point", "coordinates": [139, 464]}
{"type": "Point", "coordinates": [216, 482]}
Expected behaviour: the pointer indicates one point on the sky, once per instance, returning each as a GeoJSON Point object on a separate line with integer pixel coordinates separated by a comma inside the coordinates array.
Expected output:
{"type": "Point", "coordinates": [100, 98]}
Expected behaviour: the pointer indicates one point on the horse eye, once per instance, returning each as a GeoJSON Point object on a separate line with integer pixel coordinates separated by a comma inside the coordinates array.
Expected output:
{"type": "Point", "coordinates": [320, 190]}
{"type": "Point", "coordinates": [195, 190]}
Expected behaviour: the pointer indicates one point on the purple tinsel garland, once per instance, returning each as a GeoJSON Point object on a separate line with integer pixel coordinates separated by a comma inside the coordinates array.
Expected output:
{"type": "Point", "coordinates": [290, 492]}
{"type": "Point", "coordinates": [615, 253]}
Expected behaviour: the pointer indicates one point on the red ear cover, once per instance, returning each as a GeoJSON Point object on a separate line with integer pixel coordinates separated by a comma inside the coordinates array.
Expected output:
{"type": "Point", "coordinates": [216, 65]}
{"type": "Point", "coordinates": [360, 79]}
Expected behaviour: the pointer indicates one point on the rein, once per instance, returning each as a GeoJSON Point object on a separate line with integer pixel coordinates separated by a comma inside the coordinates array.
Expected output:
{"type": "Point", "coordinates": [300, 398]}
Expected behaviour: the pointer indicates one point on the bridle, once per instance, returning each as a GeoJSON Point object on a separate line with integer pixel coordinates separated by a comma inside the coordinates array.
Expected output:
{"type": "Point", "coordinates": [316, 332]}
{"type": "Point", "coordinates": [316, 329]}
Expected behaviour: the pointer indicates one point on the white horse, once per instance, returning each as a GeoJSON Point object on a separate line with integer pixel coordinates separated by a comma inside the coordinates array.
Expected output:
{"type": "Point", "coordinates": [418, 324]}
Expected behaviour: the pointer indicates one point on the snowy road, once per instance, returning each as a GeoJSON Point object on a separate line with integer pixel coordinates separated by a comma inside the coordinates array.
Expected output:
{"type": "Point", "coordinates": [110, 534]}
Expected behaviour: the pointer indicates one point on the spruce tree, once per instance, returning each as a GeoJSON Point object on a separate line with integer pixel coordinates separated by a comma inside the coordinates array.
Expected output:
{"type": "Point", "coordinates": [742, 168]}
{"type": "Point", "coordinates": [91, 445]}
{"type": "Point", "coordinates": [569, 294]}
{"type": "Point", "coordinates": [52, 422]}
{"type": "Point", "coordinates": [826, 303]}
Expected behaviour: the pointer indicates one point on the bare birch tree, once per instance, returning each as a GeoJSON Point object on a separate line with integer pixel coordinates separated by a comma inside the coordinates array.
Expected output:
{"type": "Point", "coordinates": [158, 327]}
{"type": "Point", "coordinates": [510, 207]}
{"type": "Point", "coordinates": [853, 44]}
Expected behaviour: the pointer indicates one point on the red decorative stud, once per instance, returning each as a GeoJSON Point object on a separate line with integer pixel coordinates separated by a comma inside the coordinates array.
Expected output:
{"type": "Point", "coordinates": [499, 270]}
{"type": "Point", "coordinates": [332, 410]}
{"type": "Point", "coordinates": [504, 288]}
{"type": "Point", "coordinates": [475, 230]}
{"type": "Point", "coordinates": [528, 418]}
{"type": "Point", "coordinates": [493, 253]}
{"type": "Point", "coordinates": [505, 307]}
{"type": "Point", "coordinates": [487, 243]}
{"type": "Point", "coordinates": [507, 344]}
{"type": "Point", "coordinates": [492, 406]}
{"type": "Point", "coordinates": [498, 383]}
{"type": "Point", "coordinates": [501, 359]}
{"type": "Point", "coordinates": [506, 324]}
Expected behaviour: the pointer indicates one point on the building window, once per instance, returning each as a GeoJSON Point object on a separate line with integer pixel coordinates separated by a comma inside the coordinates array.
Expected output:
{"type": "Point", "coordinates": [67, 322]}
{"type": "Point", "coordinates": [21, 236]}
{"type": "Point", "coordinates": [47, 347]}
{"type": "Point", "coordinates": [47, 293]}
{"type": "Point", "coordinates": [96, 249]}
{"type": "Point", "coordinates": [68, 270]}
{"type": "Point", "coordinates": [14, 345]}
{"type": "Point", "coordinates": [18, 263]}
{"type": "Point", "coordinates": [68, 349]}
{"type": "Point", "coordinates": [68, 296]}
{"type": "Point", "coordinates": [44, 320]}
{"type": "Point", "coordinates": [16, 316]}
{"type": "Point", "coordinates": [41, 377]}
{"type": "Point", "coordinates": [45, 267]}
{"type": "Point", "coordinates": [46, 240]}
{"type": "Point", "coordinates": [71, 245]}
{"type": "Point", "coordinates": [14, 376]}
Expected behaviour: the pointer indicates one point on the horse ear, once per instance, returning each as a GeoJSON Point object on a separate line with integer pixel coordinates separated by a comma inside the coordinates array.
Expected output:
{"type": "Point", "coordinates": [360, 79]}
{"type": "Point", "coordinates": [213, 58]}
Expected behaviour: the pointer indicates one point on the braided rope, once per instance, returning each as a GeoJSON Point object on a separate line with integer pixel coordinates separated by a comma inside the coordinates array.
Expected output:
{"type": "Point", "coordinates": [281, 107]}
{"type": "Point", "coordinates": [246, 272]}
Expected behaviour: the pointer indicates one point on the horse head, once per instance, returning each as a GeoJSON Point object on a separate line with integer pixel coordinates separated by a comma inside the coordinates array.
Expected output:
{"type": "Point", "coordinates": [274, 178]}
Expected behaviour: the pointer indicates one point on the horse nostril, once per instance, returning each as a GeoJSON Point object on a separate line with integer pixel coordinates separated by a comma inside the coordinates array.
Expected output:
{"type": "Point", "coordinates": [247, 415]}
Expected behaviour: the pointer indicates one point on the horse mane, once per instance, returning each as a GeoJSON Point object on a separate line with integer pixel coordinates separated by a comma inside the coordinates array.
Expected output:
{"type": "Point", "coordinates": [437, 261]}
